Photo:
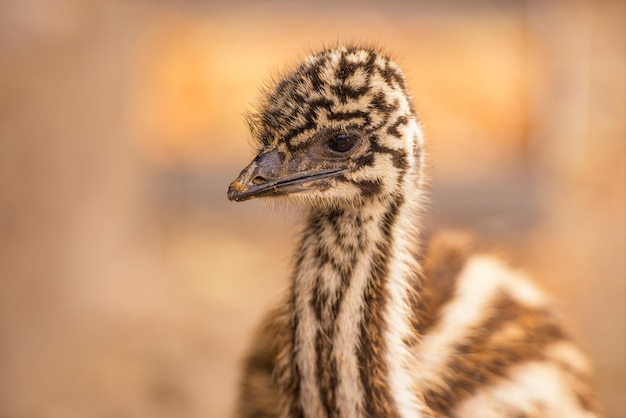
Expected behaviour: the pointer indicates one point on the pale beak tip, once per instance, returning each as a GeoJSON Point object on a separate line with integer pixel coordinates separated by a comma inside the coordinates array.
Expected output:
{"type": "Point", "coordinates": [235, 190]}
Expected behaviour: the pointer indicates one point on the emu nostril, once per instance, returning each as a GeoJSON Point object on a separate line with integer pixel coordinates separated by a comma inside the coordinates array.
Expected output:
{"type": "Point", "coordinates": [259, 179]}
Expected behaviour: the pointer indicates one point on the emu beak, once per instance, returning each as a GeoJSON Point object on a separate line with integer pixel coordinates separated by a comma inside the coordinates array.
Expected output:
{"type": "Point", "coordinates": [254, 179]}
{"type": "Point", "coordinates": [268, 175]}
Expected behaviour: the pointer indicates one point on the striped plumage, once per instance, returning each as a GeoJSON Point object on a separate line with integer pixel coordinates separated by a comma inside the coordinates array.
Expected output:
{"type": "Point", "coordinates": [373, 326]}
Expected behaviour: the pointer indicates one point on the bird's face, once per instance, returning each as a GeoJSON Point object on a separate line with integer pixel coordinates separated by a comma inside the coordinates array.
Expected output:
{"type": "Point", "coordinates": [339, 129]}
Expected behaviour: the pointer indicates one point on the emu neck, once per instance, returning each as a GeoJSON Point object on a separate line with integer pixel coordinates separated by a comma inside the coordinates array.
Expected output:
{"type": "Point", "coordinates": [353, 297]}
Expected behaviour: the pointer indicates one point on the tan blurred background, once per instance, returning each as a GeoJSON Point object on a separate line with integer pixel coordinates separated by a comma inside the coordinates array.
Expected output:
{"type": "Point", "coordinates": [129, 285]}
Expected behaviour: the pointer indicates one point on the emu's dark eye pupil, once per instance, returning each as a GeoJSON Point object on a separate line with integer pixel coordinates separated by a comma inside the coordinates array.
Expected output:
{"type": "Point", "coordinates": [341, 143]}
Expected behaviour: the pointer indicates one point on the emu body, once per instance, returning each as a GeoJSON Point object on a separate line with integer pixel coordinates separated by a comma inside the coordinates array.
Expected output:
{"type": "Point", "coordinates": [374, 326]}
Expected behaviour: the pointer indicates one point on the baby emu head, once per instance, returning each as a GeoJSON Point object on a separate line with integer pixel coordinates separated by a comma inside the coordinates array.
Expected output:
{"type": "Point", "coordinates": [338, 131]}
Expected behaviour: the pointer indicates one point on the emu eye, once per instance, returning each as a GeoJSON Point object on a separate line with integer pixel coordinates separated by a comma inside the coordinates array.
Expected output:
{"type": "Point", "coordinates": [341, 143]}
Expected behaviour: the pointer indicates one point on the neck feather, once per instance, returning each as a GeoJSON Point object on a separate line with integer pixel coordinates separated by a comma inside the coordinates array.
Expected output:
{"type": "Point", "coordinates": [354, 293]}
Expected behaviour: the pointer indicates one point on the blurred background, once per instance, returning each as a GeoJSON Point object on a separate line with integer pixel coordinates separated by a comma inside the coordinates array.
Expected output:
{"type": "Point", "coordinates": [129, 285]}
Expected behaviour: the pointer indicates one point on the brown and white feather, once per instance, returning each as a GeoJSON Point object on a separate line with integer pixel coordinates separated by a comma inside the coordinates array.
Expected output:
{"type": "Point", "coordinates": [374, 326]}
